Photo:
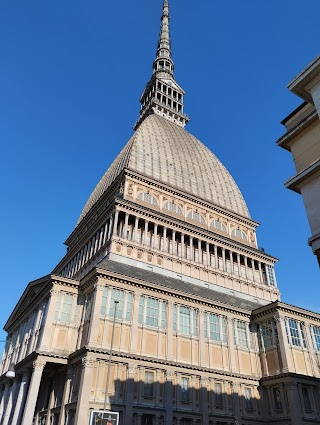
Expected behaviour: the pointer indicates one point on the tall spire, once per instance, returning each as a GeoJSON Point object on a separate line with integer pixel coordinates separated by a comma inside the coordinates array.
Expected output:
{"type": "Point", "coordinates": [162, 95]}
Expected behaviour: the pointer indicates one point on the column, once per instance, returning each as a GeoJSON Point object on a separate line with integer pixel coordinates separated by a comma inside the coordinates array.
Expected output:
{"type": "Point", "coordinates": [82, 412]}
{"type": "Point", "coordinates": [65, 395]}
{"type": "Point", "coordinates": [45, 342]}
{"type": "Point", "coordinates": [199, 252]}
{"type": "Point", "coordinates": [21, 399]}
{"type": "Point", "coordinates": [135, 323]}
{"type": "Point", "coordinates": [128, 414]}
{"type": "Point", "coordinates": [283, 344]}
{"type": "Point", "coordinates": [239, 264]}
{"type": "Point", "coordinates": [155, 237]}
{"type": "Point", "coordinates": [202, 346]}
{"type": "Point", "coordinates": [33, 391]}
{"type": "Point", "coordinates": [294, 404]}
{"type": "Point", "coordinates": [10, 403]}
{"type": "Point", "coordinates": [164, 239]}
{"type": "Point", "coordinates": [170, 331]}
{"type": "Point", "coordinates": [191, 249]}
{"type": "Point", "coordinates": [224, 259]}
{"type": "Point", "coordinates": [208, 253]}
{"type": "Point", "coordinates": [92, 336]}
{"type": "Point", "coordinates": [136, 227]}
{"type": "Point", "coordinates": [145, 234]}
{"type": "Point", "coordinates": [246, 266]}
{"type": "Point", "coordinates": [169, 398]}
{"type": "Point", "coordinates": [253, 270]}
{"type": "Point", "coordinates": [231, 262]}
{"type": "Point", "coordinates": [4, 400]}
{"type": "Point", "coordinates": [173, 247]}
{"type": "Point", "coordinates": [204, 401]}
{"type": "Point", "coordinates": [125, 228]}
{"type": "Point", "coordinates": [115, 224]}
{"type": "Point", "coordinates": [110, 229]}
{"type": "Point", "coordinates": [182, 246]}
{"type": "Point", "coordinates": [260, 272]}
{"type": "Point", "coordinates": [216, 260]}
{"type": "Point", "coordinates": [232, 351]}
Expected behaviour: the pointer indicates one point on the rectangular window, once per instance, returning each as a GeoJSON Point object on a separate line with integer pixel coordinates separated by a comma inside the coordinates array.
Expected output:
{"type": "Point", "coordinates": [129, 306]}
{"type": "Point", "coordinates": [205, 318]}
{"type": "Point", "coordinates": [116, 295]}
{"type": "Point", "coordinates": [195, 322]}
{"type": "Point", "coordinates": [265, 335]}
{"type": "Point", "coordinates": [104, 301]}
{"type": "Point", "coordinates": [316, 337]}
{"type": "Point", "coordinates": [218, 394]}
{"type": "Point", "coordinates": [185, 390]}
{"type": "Point", "coordinates": [163, 315]}
{"type": "Point", "coordinates": [148, 385]}
{"type": "Point", "coordinates": [152, 315]}
{"type": "Point", "coordinates": [217, 328]}
{"type": "Point", "coordinates": [185, 320]}
{"type": "Point", "coordinates": [270, 273]}
{"type": "Point", "coordinates": [141, 310]}
{"type": "Point", "coordinates": [248, 399]}
{"type": "Point", "coordinates": [240, 334]}
{"type": "Point", "coordinates": [293, 332]}
{"type": "Point", "coordinates": [277, 398]}
{"type": "Point", "coordinates": [66, 308]}
{"type": "Point", "coordinates": [306, 399]}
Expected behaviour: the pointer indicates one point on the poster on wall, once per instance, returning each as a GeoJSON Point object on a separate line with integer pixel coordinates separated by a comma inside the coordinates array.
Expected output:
{"type": "Point", "coordinates": [102, 417]}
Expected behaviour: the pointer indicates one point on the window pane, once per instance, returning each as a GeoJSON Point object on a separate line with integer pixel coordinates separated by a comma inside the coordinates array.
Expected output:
{"type": "Point", "coordinates": [129, 306]}
{"type": "Point", "coordinates": [218, 394]}
{"type": "Point", "coordinates": [294, 333]}
{"type": "Point", "coordinates": [316, 335]}
{"type": "Point", "coordinates": [148, 385]}
{"type": "Point", "coordinates": [104, 301]}
{"type": "Point", "coordinates": [184, 320]}
{"type": "Point", "coordinates": [248, 398]}
{"type": "Point", "coordinates": [117, 295]}
{"type": "Point", "coordinates": [185, 389]}
{"type": "Point", "coordinates": [164, 315]}
{"type": "Point", "coordinates": [141, 308]}
{"type": "Point", "coordinates": [152, 315]}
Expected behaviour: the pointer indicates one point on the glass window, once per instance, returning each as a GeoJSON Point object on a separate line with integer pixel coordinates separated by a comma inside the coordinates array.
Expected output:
{"type": "Point", "coordinates": [129, 306]}
{"type": "Point", "coordinates": [237, 233]}
{"type": "Point", "coordinates": [185, 391]}
{"type": "Point", "coordinates": [271, 277]}
{"type": "Point", "coordinates": [218, 394]}
{"type": "Point", "coordinates": [117, 295]}
{"type": "Point", "coordinates": [216, 224]}
{"type": "Point", "coordinates": [240, 334]}
{"type": "Point", "coordinates": [193, 215]}
{"type": "Point", "coordinates": [277, 398]}
{"type": "Point", "coordinates": [316, 337]}
{"type": "Point", "coordinates": [306, 398]}
{"type": "Point", "coordinates": [104, 301]}
{"type": "Point", "coordinates": [173, 208]}
{"type": "Point", "coordinates": [293, 332]}
{"type": "Point", "coordinates": [66, 308]}
{"type": "Point", "coordinates": [164, 315]}
{"type": "Point", "coordinates": [265, 335]}
{"type": "Point", "coordinates": [152, 312]}
{"type": "Point", "coordinates": [141, 310]}
{"type": "Point", "coordinates": [148, 385]}
{"type": "Point", "coordinates": [185, 320]}
{"type": "Point", "coordinates": [175, 318]}
{"type": "Point", "coordinates": [248, 398]}
{"type": "Point", "coordinates": [217, 328]}
{"type": "Point", "coordinates": [146, 197]}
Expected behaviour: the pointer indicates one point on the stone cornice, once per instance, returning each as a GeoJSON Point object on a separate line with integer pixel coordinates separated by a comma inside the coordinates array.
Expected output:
{"type": "Point", "coordinates": [136, 283]}
{"type": "Point", "coordinates": [123, 357]}
{"type": "Point", "coordinates": [283, 308]}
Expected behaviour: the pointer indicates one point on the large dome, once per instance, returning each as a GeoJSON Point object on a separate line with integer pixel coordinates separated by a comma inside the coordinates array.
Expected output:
{"type": "Point", "coordinates": [166, 152]}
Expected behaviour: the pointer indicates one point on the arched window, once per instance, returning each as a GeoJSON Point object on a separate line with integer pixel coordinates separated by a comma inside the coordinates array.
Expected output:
{"type": "Point", "coordinates": [237, 233]}
{"type": "Point", "coordinates": [173, 208]}
{"type": "Point", "coordinates": [146, 197]}
{"type": "Point", "coordinates": [216, 224]}
{"type": "Point", "coordinates": [193, 215]}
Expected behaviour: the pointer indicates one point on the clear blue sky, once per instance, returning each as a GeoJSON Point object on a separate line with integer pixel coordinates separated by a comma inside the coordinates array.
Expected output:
{"type": "Point", "coordinates": [70, 79]}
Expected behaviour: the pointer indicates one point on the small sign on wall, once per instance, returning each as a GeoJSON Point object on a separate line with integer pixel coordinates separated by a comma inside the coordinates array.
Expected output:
{"type": "Point", "coordinates": [102, 417]}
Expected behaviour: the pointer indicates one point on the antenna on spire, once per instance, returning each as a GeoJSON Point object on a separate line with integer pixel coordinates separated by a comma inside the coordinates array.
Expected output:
{"type": "Point", "coordinates": [162, 95]}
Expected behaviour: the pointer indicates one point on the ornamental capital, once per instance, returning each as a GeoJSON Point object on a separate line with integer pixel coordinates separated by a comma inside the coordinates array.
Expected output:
{"type": "Point", "coordinates": [87, 362]}
{"type": "Point", "coordinates": [54, 292]}
{"type": "Point", "coordinates": [98, 286]}
{"type": "Point", "coordinates": [169, 375]}
{"type": "Point", "coordinates": [38, 365]}
{"type": "Point", "coordinates": [277, 318]}
{"type": "Point", "coordinates": [132, 369]}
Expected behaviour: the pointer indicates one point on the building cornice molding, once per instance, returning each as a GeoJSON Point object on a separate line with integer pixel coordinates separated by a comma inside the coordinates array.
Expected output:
{"type": "Point", "coordinates": [281, 308]}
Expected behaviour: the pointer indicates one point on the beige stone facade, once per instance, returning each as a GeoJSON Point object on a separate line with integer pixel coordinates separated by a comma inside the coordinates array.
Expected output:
{"type": "Point", "coordinates": [302, 139]}
{"type": "Point", "coordinates": [164, 267]}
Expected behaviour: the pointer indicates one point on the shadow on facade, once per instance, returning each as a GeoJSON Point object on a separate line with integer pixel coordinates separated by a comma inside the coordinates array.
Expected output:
{"type": "Point", "coordinates": [194, 401]}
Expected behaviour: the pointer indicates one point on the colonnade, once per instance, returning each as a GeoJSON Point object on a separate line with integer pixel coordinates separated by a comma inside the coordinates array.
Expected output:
{"type": "Point", "coordinates": [166, 240]}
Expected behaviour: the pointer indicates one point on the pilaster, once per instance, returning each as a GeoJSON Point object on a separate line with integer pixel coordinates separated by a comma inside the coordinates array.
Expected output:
{"type": "Point", "coordinates": [33, 391]}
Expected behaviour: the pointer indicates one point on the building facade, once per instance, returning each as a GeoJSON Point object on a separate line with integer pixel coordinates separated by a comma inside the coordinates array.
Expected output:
{"type": "Point", "coordinates": [163, 310]}
{"type": "Point", "coordinates": [302, 139]}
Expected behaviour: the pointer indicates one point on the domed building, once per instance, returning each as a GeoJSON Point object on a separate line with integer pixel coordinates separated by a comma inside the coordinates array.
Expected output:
{"type": "Point", "coordinates": [163, 310]}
